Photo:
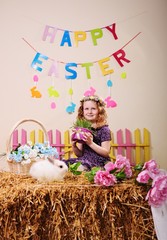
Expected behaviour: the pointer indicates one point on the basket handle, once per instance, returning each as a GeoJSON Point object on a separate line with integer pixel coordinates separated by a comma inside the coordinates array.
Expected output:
{"type": "Point", "coordinates": [8, 145]}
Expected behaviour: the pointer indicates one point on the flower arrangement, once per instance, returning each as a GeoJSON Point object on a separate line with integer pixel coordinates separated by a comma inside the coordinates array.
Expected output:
{"type": "Point", "coordinates": [25, 154]}
{"type": "Point", "coordinates": [120, 170]}
{"type": "Point", "coordinates": [157, 179]}
{"type": "Point", "coordinates": [112, 172]}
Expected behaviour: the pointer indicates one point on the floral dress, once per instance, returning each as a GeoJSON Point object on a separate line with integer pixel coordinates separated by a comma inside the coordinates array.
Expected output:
{"type": "Point", "coordinates": [90, 158]}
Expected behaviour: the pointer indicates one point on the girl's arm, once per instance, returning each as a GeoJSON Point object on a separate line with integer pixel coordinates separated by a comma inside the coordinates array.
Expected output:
{"type": "Point", "coordinates": [102, 150]}
{"type": "Point", "coordinates": [77, 148]}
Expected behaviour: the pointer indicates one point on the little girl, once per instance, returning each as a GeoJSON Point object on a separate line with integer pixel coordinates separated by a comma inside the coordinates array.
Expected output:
{"type": "Point", "coordinates": [96, 147]}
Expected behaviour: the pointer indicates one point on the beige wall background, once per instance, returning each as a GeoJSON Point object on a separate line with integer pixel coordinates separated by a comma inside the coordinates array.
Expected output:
{"type": "Point", "coordinates": [141, 97]}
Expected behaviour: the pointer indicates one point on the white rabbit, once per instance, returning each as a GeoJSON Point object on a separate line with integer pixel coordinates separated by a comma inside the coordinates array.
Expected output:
{"type": "Point", "coordinates": [48, 170]}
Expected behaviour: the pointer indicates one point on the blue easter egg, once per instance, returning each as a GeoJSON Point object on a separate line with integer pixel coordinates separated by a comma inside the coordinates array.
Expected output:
{"type": "Point", "coordinates": [109, 83]}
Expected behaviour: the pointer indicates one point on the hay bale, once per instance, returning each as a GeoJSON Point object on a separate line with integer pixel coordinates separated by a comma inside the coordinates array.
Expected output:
{"type": "Point", "coordinates": [72, 210]}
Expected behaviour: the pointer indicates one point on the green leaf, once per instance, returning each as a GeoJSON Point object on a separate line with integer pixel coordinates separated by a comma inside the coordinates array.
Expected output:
{"type": "Point", "coordinates": [73, 168]}
{"type": "Point", "coordinates": [91, 174]}
{"type": "Point", "coordinates": [138, 167]}
{"type": "Point", "coordinates": [120, 175]}
{"type": "Point", "coordinates": [77, 172]}
{"type": "Point", "coordinates": [94, 170]}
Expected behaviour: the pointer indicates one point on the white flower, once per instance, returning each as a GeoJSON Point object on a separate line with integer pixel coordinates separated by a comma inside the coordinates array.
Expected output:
{"type": "Point", "coordinates": [29, 143]}
{"type": "Point", "coordinates": [33, 153]}
{"type": "Point", "coordinates": [24, 162]}
{"type": "Point", "coordinates": [26, 156]}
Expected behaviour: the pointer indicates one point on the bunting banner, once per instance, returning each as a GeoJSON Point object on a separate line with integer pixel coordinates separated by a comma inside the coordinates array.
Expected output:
{"type": "Point", "coordinates": [71, 68]}
{"type": "Point", "coordinates": [78, 36]}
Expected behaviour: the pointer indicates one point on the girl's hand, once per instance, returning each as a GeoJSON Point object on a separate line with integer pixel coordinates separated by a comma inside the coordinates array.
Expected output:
{"type": "Point", "coordinates": [88, 138]}
{"type": "Point", "coordinates": [74, 143]}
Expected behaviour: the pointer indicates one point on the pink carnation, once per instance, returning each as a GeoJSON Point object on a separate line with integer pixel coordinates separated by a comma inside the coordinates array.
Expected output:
{"type": "Point", "coordinates": [143, 177]}
{"type": "Point", "coordinates": [152, 167]}
{"type": "Point", "coordinates": [121, 162]}
{"type": "Point", "coordinates": [109, 166]}
{"type": "Point", "coordinates": [158, 193]}
{"type": "Point", "coordinates": [128, 171]}
{"type": "Point", "coordinates": [104, 178]}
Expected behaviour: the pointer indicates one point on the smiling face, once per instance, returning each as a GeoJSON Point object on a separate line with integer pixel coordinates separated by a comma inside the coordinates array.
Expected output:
{"type": "Point", "coordinates": [90, 111]}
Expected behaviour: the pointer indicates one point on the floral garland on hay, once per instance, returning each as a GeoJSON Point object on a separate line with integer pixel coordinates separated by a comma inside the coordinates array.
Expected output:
{"type": "Point", "coordinates": [112, 173]}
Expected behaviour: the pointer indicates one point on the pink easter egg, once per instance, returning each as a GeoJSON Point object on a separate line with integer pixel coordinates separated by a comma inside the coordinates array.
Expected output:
{"type": "Point", "coordinates": [53, 105]}
{"type": "Point", "coordinates": [35, 78]}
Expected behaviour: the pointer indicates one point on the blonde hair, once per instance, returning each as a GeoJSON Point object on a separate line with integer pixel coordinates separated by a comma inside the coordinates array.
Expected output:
{"type": "Point", "coordinates": [102, 115]}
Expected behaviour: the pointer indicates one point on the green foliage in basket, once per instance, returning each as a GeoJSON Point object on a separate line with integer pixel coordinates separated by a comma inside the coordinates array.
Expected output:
{"type": "Point", "coordinates": [83, 123]}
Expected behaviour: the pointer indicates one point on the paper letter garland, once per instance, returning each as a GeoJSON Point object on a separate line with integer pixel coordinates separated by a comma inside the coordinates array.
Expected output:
{"type": "Point", "coordinates": [79, 36]}
{"type": "Point", "coordinates": [71, 68]}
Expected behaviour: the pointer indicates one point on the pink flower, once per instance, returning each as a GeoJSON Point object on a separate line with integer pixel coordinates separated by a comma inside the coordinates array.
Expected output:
{"type": "Point", "coordinates": [109, 166]}
{"type": "Point", "coordinates": [128, 172]}
{"type": "Point", "coordinates": [143, 177]}
{"type": "Point", "coordinates": [152, 167]}
{"type": "Point", "coordinates": [104, 178]}
{"type": "Point", "coordinates": [121, 162]}
{"type": "Point", "coordinates": [158, 193]}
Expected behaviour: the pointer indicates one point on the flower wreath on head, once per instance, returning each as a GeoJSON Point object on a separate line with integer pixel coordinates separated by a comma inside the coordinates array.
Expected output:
{"type": "Point", "coordinates": [93, 98]}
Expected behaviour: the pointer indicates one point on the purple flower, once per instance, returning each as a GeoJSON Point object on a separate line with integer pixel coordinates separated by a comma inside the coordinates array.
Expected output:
{"type": "Point", "coordinates": [104, 178]}
{"type": "Point", "coordinates": [157, 195]}
{"type": "Point", "coordinates": [143, 177]}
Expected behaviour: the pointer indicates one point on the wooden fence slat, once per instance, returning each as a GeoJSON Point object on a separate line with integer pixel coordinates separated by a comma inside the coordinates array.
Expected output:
{"type": "Point", "coordinates": [120, 142]}
{"type": "Point", "coordinates": [32, 137]}
{"type": "Point", "coordinates": [147, 145]}
{"type": "Point", "coordinates": [129, 146]}
{"type": "Point", "coordinates": [23, 137]}
{"type": "Point", "coordinates": [50, 137]}
{"type": "Point", "coordinates": [138, 148]}
{"type": "Point", "coordinates": [40, 136]}
{"type": "Point", "coordinates": [15, 139]}
{"type": "Point", "coordinates": [112, 148]}
{"type": "Point", "coordinates": [58, 142]}
{"type": "Point", "coordinates": [67, 147]}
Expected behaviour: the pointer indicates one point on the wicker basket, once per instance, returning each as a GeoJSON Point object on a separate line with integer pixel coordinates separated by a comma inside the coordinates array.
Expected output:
{"type": "Point", "coordinates": [16, 167]}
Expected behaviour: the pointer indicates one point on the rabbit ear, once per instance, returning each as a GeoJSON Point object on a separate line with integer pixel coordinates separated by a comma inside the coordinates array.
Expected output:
{"type": "Point", "coordinates": [51, 160]}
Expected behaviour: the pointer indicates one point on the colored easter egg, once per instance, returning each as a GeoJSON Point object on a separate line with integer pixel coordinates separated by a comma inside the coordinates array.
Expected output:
{"type": "Point", "coordinates": [35, 78]}
{"type": "Point", "coordinates": [70, 91]}
{"type": "Point", "coordinates": [123, 75]}
{"type": "Point", "coordinates": [109, 83]}
{"type": "Point", "coordinates": [53, 105]}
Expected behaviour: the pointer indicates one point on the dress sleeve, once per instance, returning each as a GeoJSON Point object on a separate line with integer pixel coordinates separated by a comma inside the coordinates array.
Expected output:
{"type": "Point", "coordinates": [105, 134]}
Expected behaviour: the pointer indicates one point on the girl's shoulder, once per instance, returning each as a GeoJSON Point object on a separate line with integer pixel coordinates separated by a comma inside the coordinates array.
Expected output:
{"type": "Point", "coordinates": [104, 127]}
{"type": "Point", "coordinates": [104, 133]}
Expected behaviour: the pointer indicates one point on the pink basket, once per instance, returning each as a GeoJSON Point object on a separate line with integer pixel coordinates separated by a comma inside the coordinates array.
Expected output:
{"type": "Point", "coordinates": [78, 134]}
